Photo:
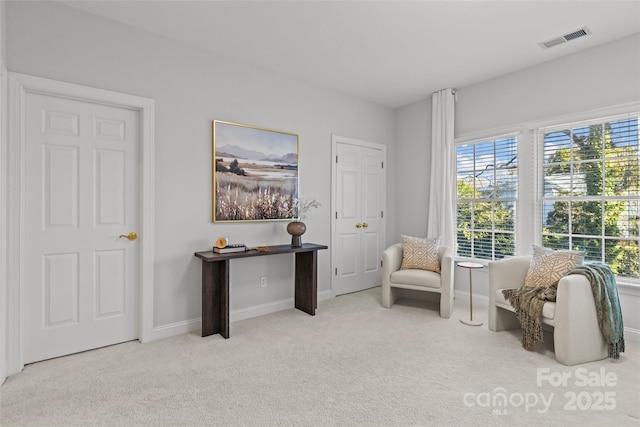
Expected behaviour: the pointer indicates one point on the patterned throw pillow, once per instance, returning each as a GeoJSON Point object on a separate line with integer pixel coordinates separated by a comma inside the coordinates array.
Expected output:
{"type": "Point", "coordinates": [420, 253]}
{"type": "Point", "coordinates": [548, 266]}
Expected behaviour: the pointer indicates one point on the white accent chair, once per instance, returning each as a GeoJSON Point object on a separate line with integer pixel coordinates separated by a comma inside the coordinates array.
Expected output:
{"type": "Point", "coordinates": [576, 334]}
{"type": "Point", "coordinates": [418, 280]}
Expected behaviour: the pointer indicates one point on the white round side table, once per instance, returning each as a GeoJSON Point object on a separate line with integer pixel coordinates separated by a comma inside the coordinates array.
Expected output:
{"type": "Point", "coordinates": [470, 266]}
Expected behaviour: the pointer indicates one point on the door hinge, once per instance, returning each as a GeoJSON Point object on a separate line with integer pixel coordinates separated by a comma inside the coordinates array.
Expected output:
{"type": "Point", "coordinates": [380, 263]}
{"type": "Point", "coordinates": [336, 159]}
{"type": "Point", "coordinates": [336, 271]}
{"type": "Point", "coordinates": [382, 165]}
{"type": "Point", "coordinates": [336, 214]}
{"type": "Point", "coordinates": [381, 214]}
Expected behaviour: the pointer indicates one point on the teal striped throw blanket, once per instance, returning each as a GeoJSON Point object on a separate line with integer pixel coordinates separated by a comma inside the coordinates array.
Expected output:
{"type": "Point", "coordinates": [605, 296]}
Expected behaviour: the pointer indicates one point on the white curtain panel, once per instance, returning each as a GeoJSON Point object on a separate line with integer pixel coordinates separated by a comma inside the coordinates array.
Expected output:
{"type": "Point", "coordinates": [443, 169]}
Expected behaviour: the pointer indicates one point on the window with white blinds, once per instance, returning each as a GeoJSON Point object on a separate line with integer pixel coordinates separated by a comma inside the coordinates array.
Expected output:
{"type": "Point", "coordinates": [487, 182]}
{"type": "Point", "coordinates": [590, 188]}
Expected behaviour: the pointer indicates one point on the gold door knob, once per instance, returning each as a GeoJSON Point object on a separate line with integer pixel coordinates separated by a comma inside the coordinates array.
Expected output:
{"type": "Point", "coordinates": [130, 236]}
{"type": "Point", "coordinates": [365, 225]}
{"type": "Point", "coordinates": [358, 225]}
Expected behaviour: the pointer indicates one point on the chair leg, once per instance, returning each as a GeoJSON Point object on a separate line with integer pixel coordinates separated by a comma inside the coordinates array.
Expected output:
{"type": "Point", "coordinates": [388, 296]}
{"type": "Point", "coordinates": [446, 305]}
{"type": "Point", "coordinates": [502, 320]}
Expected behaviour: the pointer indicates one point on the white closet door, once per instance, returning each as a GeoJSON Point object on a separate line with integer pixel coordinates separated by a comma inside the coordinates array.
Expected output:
{"type": "Point", "coordinates": [359, 225]}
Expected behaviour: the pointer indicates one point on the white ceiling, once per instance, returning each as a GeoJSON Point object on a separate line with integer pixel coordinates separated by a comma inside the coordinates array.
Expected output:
{"type": "Point", "coordinates": [389, 52]}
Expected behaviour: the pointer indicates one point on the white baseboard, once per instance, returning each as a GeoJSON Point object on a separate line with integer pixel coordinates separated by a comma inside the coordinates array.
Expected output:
{"type": "Point", "coordinates": [260, 310]}
{"type": "Point", "coordinates": [193, 325]}
{"type": "Point", "coordinates": [481, 300]}
{"type": "Point", "coordinates": [630, 334]}
{"type": "Point", "coordinates": [177, 328]}
{"type": "Point", "coordinates": [270, 307]}
{"type": "Point", "coordinates": [325, 295]}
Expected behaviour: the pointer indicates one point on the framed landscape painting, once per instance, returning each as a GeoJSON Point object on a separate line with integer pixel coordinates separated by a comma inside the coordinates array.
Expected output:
{"type": "Point", "coordinates": [255, 173]}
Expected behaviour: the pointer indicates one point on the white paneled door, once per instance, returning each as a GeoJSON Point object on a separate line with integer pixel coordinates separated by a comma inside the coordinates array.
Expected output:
{"type": "Point", "coordinates": [359, 215]}
{"type": "Point", "coordinates": [81, 262]}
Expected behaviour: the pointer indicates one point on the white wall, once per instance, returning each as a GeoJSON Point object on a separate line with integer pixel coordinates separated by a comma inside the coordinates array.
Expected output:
{"type": "Point", "coordinates": [191, 87]}
{"type": "Point", "coordinates": [3, 156]}
{"type": "Point", "coordinates": [599, 77]}
{"type": "Point", "coordinates": [3, 35]}
{"type": "Point", "coordinates": [412, 165]}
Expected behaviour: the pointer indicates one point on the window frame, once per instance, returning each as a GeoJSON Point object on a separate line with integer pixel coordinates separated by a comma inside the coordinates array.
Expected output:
{"type": "Point", "coordinates": [571, 125]}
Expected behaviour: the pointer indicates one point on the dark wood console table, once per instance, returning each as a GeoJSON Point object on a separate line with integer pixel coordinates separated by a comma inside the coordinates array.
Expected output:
{"type": "Point", "coordinates": [215, 283]}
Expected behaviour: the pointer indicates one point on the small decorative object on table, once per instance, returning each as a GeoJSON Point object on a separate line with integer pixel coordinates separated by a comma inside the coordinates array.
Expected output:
{"type": "Point", "coordinates": [222, 246]}
{"type": "Point", "coordinates": [297, 228]}
{"type": "Point", "coordinates": [238, 247]}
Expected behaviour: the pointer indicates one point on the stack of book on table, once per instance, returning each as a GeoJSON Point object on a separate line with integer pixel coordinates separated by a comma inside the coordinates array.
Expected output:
{"type": "Point", "coordinates": [238, 247]}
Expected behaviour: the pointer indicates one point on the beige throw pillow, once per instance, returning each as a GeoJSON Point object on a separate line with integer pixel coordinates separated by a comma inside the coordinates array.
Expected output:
{"type": "Point", "coordinates": [420, 253]}
{"type": "Point", "coordinates": [549, 266]}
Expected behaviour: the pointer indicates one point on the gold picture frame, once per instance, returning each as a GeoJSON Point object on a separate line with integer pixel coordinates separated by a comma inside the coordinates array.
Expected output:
{"type": "Point", "coordinates": [255, 173]}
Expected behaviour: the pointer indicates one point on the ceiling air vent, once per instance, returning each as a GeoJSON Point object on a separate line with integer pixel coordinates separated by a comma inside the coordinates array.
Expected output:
{"type": "Point", "coordinates": [565, 38]}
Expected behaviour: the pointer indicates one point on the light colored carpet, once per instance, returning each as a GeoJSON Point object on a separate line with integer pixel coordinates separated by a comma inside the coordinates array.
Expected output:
{"type": "Point", "coordinates": [353, 364]}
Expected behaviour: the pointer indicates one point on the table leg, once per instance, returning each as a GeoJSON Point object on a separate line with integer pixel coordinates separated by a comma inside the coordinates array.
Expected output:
{"type": "Point", "coordinates": [215, 298]}
{"type": "Point", "coordinates": [306, 281]}
{"type": "Point", "coordinates": [470, 297]}
{"type": "Point", "coordinates": [470, 321]}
